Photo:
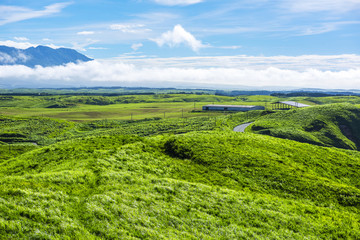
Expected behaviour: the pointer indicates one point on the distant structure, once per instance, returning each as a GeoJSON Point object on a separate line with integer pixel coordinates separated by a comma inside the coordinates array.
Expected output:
{"type": "Point", "coordinates": [238, 108]}
{"type": "Point", "coordinates": [285, 105]}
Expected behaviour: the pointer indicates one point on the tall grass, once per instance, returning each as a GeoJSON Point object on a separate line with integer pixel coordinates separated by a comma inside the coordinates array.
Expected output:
{"type": "Point", "coordinates": [335, 125]}
{"type": "Point", "coordinates": [215, 185]}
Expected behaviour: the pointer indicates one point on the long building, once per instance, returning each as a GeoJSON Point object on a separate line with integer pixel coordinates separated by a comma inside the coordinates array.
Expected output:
{"type": "Point", "coordinates": [284, 105]}
{"type": "Point", "coordinates": [239, 108]}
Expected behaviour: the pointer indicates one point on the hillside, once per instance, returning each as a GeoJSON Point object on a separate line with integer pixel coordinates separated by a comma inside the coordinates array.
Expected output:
{"type": "Point", "coordinates": [198, 185]}
{"type": "Point", "coordinates": [335, 125]}
{"type": "Point", "coordinates": [172, 171]}
{"type": "Point", "coordinates": [40, 55]}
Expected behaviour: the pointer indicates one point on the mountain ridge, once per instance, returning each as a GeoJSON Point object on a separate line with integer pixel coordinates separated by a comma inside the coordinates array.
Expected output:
{"type": "Point", "coordinates": [40, 55]}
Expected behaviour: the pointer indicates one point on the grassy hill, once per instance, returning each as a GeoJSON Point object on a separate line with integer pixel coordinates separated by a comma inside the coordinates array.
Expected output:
{"type": "Point", "coordinates": [210, 185]}
{"type": "Point", "coordinates": [177, 177]}
{"type": "Point", "coordinates": [335, 125]}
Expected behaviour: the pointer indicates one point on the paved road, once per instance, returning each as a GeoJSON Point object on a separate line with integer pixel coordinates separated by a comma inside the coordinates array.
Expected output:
{"type": "Point", "coordinates": [241, 128]}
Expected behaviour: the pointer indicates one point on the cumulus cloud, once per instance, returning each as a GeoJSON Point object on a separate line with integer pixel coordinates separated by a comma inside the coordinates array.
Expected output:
{"type": "Point", "coordinates": [177, 2]}
{"type": "Point", "coordinates": [10, 14]}
{"type": "Point", "coordinates": [86, 33]}
{"type": "Point", "coordinates": [179, 36]}
{"type": "Point", "coordinates": [136, 46]}
{"type": "Point", "coordinates": [118, 73]}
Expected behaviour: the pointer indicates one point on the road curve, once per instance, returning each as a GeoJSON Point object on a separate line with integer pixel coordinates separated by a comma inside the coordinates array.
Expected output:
{"type": "Point", "coordinates": [241, 128]}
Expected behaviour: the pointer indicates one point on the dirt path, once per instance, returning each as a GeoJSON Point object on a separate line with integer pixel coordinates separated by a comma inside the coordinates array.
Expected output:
{"type": "Point", "coordinates": [241, 128]}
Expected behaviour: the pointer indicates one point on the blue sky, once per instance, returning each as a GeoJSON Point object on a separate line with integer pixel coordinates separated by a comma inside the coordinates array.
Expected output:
{"type": "Point", "coordinates": [186, 32]}
{"type": "Point", "coordinates": [111, 28]}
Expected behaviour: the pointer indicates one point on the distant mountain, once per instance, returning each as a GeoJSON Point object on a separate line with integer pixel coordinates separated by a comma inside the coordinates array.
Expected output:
{"type": "Point", "coordinates": [40, 55]}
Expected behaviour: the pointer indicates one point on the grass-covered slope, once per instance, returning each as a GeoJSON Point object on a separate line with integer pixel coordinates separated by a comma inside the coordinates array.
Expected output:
{"type": "Point", "coordinates": [35, 129]}
{"type": "Point", "coordinates": [335, 125]}
{"type": "Point", "coordinates": [19, 135]}
{"type": "Point", "coordinates": [45, 131]}
{"type": "Point", "coordinates": [212, 185]}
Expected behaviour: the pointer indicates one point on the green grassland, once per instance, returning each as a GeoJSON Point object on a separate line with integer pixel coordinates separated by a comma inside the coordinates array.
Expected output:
{"type": "Point", "coordinates": [326, 125]}
{"type": "Point", "coordinates": [135, 107]}
{"type": "Point", "coordinates": [68, 175]}
{"type": "Point", "coordinates": [181, 187]}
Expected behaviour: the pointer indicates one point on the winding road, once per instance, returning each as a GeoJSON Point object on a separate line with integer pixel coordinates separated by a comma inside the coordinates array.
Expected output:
{"type": "Point", "coordinates": [241, 128]}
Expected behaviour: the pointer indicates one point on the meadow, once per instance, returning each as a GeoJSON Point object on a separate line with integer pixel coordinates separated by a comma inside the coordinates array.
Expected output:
{"type": "Point", "coordinates": [129, 107]}
{"type": "Point", "coordinates": [326, 125]}
{"type": "Point", "coordinates": [68, 174]}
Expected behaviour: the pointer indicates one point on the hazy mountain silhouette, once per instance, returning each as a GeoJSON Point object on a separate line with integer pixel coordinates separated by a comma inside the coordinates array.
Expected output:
{"type": "Point", "coordinates": [40, 55]}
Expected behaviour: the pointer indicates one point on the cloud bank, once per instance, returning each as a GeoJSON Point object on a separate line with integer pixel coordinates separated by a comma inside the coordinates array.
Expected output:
{"type": "Point", "coordinates": [297, 63]}
{"type": "Point", "coordinates": [118, 73]}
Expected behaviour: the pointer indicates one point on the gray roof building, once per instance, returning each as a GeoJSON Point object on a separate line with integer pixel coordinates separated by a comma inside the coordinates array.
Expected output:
{"type": "Point", "coordinates": [239, 108]}
{"type": "Point", "coordinates": [288, 105]}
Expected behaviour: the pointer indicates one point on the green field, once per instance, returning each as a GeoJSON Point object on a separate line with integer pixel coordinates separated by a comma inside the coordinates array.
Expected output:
{"type": "Point", "coordinates": [136, 107]}
{"type": "Point", "coordinates": [327, 125]}
{"type": "Point", "coordinates": [79, 167]}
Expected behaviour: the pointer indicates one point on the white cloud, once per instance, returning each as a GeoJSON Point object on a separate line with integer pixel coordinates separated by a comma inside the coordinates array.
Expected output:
{"type": "Point", "coordinates": [117, 73]}
{"type": "Point", "coordinates": [177, 2]}
{"type": "Point", "coordinates": [326, 27]}
{"type": "Point", "coordinates": [86, 33]}
{"type": "Point", "coordinates": [81, 46]}
{"type": "Point", "coordinates": [130, 28]}
{"type": "Point", "coordinates": [97, 48]}
{"type": "Point", "coordinates": [338, 6]}
{"type": "Point", "coordinates": [20, 45]}
{"type": "Point", "coordinates": [152, 18]}
{"type": "Point", "coordinates": [21, 39]}
{"type": "Point", "coordinates": [10, 14]}
{"type": "Point", "coordinates": [136, 46]}
{"type": "Point", "coordinates": [53, 46]}
{"type": "Point", "coordinates": [179, 36]}
{"type": "Point", "coordinates": [230, 47]}
{"type": "Point", "coordinates": [296, 63]}
{"type": "Point", "coordinates": [7, 59]}
{"type": "Point", "coordinates": [25, 45]}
